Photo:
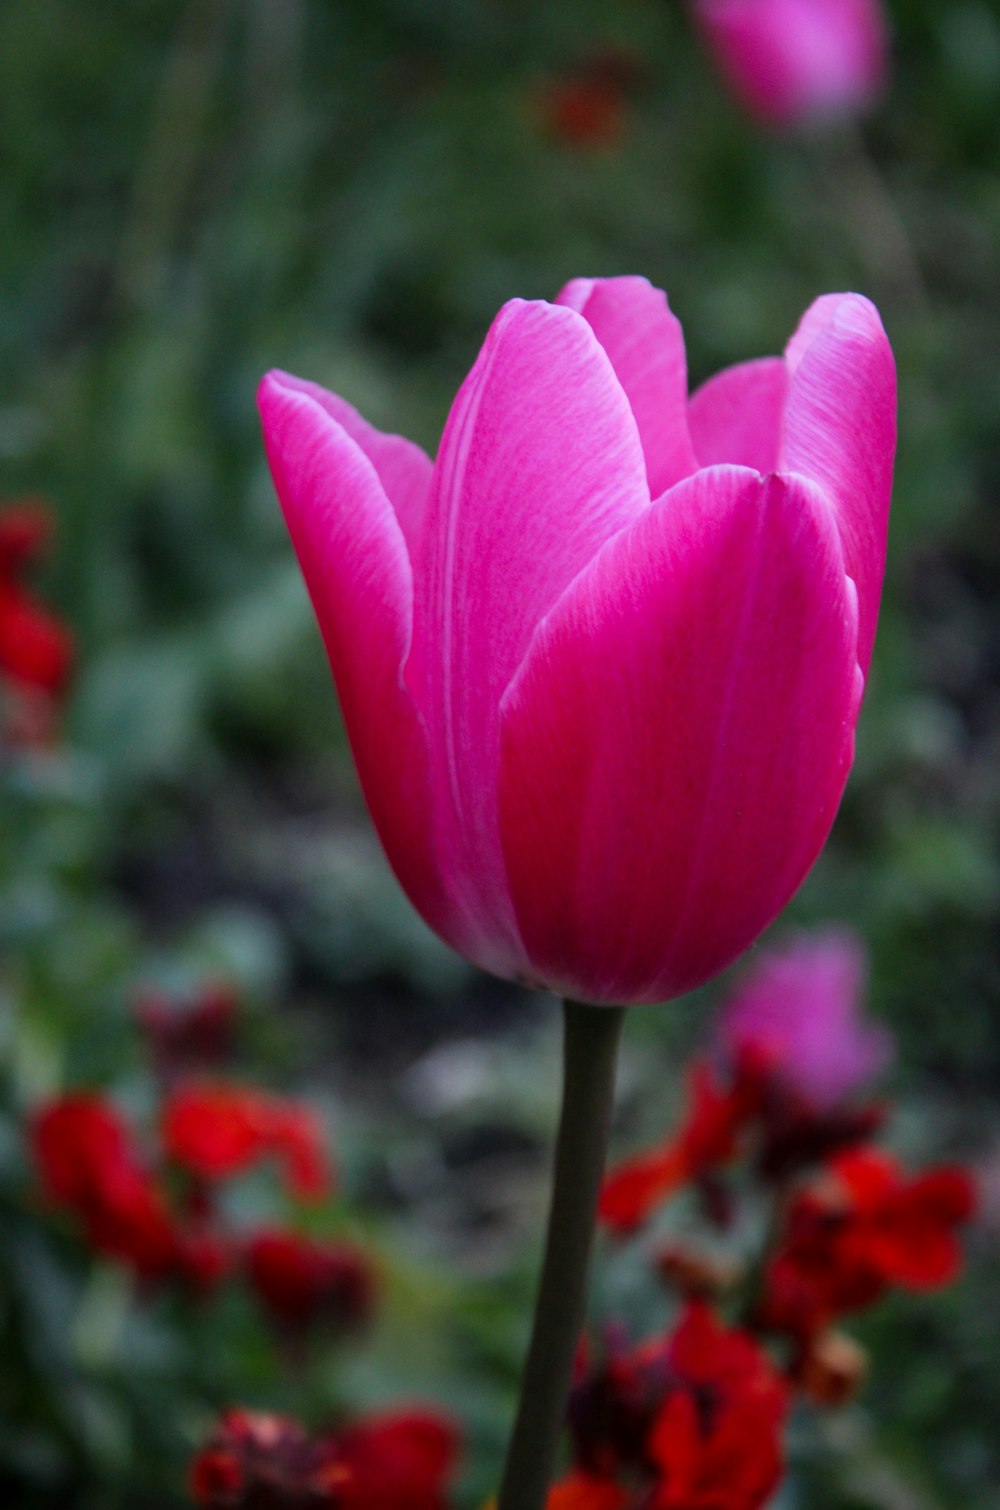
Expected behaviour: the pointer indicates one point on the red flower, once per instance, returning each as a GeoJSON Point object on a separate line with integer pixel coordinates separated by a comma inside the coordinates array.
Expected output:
{"type": "Point", "coordinates": [401, 1460]}
{"type": "Point", "coordinates": [217, 1130]}
{"type": "Point", "coordinates": [89, 1166]}
{"type": "Point", "coordinates": [36, 650]}
{"type": "Point", "coordinates": [688, 1422]}
{"type": "Point", "coordinates": [709, 1137]}
{"type": "Point", "coordinates": [301, 1281]}
{"type": "Point", "coordinates": [860, 1229]}
{"type": "Point", "coordinates": [255, 1461]}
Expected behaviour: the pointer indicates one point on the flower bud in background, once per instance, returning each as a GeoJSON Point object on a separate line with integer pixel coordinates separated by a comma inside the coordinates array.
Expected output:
{"type": "Point", "coordinates": [790, 62]}
{"type": "Point", "coordinates": [601, 662]}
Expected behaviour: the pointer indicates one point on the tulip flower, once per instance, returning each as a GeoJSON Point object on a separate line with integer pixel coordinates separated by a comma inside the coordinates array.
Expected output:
{"type": "Point", "coordinates": [600, 665]}
{"type": "Point", "coordinates": [601, 662]}
{"type": "Point", "coordinates": [794, 61]}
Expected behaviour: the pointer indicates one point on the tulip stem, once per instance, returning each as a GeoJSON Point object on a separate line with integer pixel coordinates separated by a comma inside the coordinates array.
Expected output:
{"type": "Point", "coordinates": [590, 1051]}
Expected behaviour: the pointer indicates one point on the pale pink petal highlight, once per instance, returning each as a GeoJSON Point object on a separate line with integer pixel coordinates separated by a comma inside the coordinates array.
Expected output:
{"type": "Point", "coordinates": [354, 559]}
{"type": "Point", "coordinates": [539, 464]}
{"type": "Point", "coordinates": [676, 743]}
{"type": "Point", "coordinates": [644, 340]}
{"type": "Point", "coordinates": [737, 415]}
{"type": "Point", "coordinates": [840, 431]}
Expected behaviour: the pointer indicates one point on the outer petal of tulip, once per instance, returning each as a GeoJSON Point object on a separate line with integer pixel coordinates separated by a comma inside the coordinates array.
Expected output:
{"type": "Point", "coordinates": [736, 416]}
{"type": "Point", "coordinates": [354, 559]}
{"type": "Point", "coordinates": [539, 465]}
{"type": "Point", "coordinates": [404, 470]}
{"type": "Point", "coordinates": [676, 742]}
{"type": "Point", "coordinates": [840, 431]}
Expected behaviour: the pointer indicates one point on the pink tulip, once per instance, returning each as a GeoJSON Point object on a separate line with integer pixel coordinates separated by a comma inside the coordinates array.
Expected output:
{"type": "Point", "coordinates": [790, 61]}
{"type": "Point", "coordinates": [601, 662]}
{"type": "Point", "coordinates": [802, 1005]}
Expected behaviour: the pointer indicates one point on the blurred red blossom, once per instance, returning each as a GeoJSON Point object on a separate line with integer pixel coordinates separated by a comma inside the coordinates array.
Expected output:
{"type": "Point", "coordinates": [36, 648]}
{"type": "Point", "coordinates": [862, 1227]}
{"type": "Point", "coordinates": [400, 1459]}
{"type": "Point", "coordinates": [303, 1282]}
{"type": "Point", "coordinates": [90, 1166]}
{"type": "Point", "coordinates": [690, 1421]}
{"type": "Point", "coordinates": [790, 1051]}
{"type": "Point", "coordinates": [587, 108]}
{"type": "Point", "coordinates": [217, 1129]}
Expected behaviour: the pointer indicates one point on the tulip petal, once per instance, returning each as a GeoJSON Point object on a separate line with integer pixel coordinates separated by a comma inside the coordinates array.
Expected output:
{"type": "Point", "coordinates": [355, 563]}
{"type": "Point", "coordinates": [840, 431]}
{"type": "Point", "coordinates": [645, 342]}
{"type": "Point", "coordinates": [404, 470]}
{"type": "Point", "coordinates": [736, 416]}
{"type": "Point", "coordinates": [539, 465]}
{"type": "Point", "coordinates": [676, 742]}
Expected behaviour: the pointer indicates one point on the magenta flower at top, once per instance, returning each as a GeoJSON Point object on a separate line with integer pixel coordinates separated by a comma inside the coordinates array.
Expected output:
{"type": "Point", "coordinates": [802, 1006]}
{"type": "Point", "coordinates": [792, 61]}
{"type": "Point", "coordinates": [601, 662]}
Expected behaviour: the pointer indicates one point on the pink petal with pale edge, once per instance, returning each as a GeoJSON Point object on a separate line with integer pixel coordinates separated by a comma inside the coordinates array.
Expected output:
{"type": "Point", "coordinates": [645, 343]}
{"type": "Point", "coordinates": [354, 559]}
{"type": "Point", "coordinates": [840, 431]}
{"type": "Point", "coordinates": [539, 465]}
{"type": "Point", "coordinates": [404, 470]}
{"type": "Point", "coordinates": [676, 743]}
{"type": "Point", "coordinates": [736, 416]}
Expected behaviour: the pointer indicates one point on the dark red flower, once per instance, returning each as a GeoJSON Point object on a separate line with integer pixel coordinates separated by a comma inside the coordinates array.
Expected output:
{"type": "Point", "coordinates": [302, 1282]}
{"type": "Point", "coordinates": [692, 1421]}
{"type": "Point", "coordinates": [861, 1228]}
{"type": "Point", "coordinates": [254, 1461]}
{"type": "Point", "coordinates": [216, 1130]}
{"type": "Point", "coordinates": [36, 650]}
{"type": "Point", "coordinates": [187, 1033]}
{"type": "Point", "coordinates": [89, 1166]}
{"type": "Point", "coordinates": [402, 1459]}
{"type": "Point", "coordinates": [395, 1461]}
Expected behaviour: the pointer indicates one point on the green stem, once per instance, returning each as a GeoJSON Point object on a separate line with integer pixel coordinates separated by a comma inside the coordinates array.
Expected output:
{"type": "Point", "coordinates": [590, 1050]}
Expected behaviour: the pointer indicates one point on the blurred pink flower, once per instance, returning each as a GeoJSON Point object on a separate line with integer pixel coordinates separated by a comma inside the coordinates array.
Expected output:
{"type": "Point", "coordinates": [789, 61]}
{"type": "Point", "coordinates": [601, 662]}
{"type": "Point", "coordinates": [802, 1006]}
